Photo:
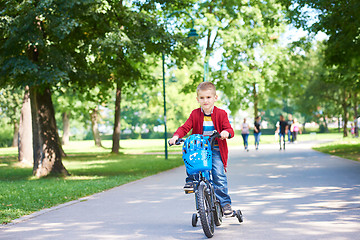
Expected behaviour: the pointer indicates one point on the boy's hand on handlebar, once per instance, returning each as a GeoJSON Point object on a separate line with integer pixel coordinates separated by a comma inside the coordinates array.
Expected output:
{"type": "Point", "coordinates": [224, 135]}
{"type": "Point", "coordinates": [173, 140]}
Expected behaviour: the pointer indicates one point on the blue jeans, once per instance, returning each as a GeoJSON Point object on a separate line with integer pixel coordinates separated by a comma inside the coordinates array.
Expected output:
{"type": "Point", "coordinates": [219, 179]}
{"type": "Point", "coordinates": [281, 136]}
{"type": "Point", "coordinates": [289, 135]}
{"type": "Point", "coordinates": [245, 138]}
{"type": "Point", "coordinates": [257, 138]}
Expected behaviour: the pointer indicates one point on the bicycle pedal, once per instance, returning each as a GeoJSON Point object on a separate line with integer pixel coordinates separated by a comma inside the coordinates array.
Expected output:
{"type": "Point", "coordinates": [189, 191]}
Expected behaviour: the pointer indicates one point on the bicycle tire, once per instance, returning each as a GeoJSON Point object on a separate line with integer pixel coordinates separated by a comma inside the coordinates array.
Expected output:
{"type": "Point", "coordinates": [205, 211]}
{"type": "Point", "coordinates": [239, 216]}
{"type": "Point", "coordinates": [218, 214]}
{"type": "Point", "coordinates": [194, 220]}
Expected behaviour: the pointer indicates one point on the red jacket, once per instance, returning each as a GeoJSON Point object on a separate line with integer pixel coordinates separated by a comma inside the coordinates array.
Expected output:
{"type": "Point", "coordinates": [221, 122]}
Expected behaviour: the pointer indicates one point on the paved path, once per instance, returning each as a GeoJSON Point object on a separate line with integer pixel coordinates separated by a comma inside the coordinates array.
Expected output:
{"type": "Point", "coordinates": [293, 194]}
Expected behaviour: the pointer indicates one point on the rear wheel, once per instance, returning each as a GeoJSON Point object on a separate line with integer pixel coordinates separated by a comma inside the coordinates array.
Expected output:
{"type": "Point", "coordinates": [239, 215]}
{"type": "Point", "coordinates": [194, 220]}
{"type": "Point", "coordinates": [218, 214]}
{"type": "Point", "coordinates": [205, 211]}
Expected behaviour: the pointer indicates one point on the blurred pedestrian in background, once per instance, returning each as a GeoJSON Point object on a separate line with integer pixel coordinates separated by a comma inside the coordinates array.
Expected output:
{"type": "Point", "coordinates": [245, 130]}
{"type": "Point", "coordinates": [282, 130]}
{"type": "Point", "coordinates": [289, 123]}
{"type": "Point", "coordinates": [257, 131]}
{"type": "Point", "coordinates": [295, 129]}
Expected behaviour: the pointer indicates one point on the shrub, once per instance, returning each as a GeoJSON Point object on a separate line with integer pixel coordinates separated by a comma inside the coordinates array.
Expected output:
{"type": "Point", "coordinates": [6, 136]}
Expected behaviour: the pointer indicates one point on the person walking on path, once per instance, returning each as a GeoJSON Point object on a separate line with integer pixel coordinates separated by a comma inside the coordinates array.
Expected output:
{"type": "Point", "coordinates": [289, 123]}
{"type": "Point", "coordinates": [205, 120]}
{"type": "Point", "coordinates": [245, 130]}
{"type": "Point", "coordinates": [295, 129]}
{"type": "Point", "coordinates": [282, 129]}
{"type": "Point", "coordinates": [257, 131]}
{"type": "Point", "coordinates": [352, 130]}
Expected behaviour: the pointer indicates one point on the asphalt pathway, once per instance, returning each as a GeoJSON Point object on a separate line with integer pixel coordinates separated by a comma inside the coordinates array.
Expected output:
{"type": "Point", "coordinates": [293, 194]}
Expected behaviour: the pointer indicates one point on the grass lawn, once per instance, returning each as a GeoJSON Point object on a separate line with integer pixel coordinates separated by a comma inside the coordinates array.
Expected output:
{"type": "Point", "coordinates": [347, 148]}
{"type": "Point", "coordinates": [93, 170]}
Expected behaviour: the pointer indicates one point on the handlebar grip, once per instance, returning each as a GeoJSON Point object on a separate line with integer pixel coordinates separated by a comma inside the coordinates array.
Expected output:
{"type": "Point", "coordinates": [214, 135]}
{"type": "Point", "coordinates": [177, 142]}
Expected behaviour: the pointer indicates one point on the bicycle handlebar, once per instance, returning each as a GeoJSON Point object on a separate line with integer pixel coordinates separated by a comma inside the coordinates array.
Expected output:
{"type": "Point", "coordinates": [214, 135]}
{"type": "Point", "coordinates": [212, 138]}
{"type": "Point", "coordinates": [177, 142]}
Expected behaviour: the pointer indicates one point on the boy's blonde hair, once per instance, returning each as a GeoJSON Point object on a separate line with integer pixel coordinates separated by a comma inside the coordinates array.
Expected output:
{"type": "Point", "coordinates": [206, 86]}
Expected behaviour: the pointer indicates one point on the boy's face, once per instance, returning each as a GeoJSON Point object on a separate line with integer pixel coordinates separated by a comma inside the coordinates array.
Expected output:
{"type": "Point", "coordinates": [206, 99]}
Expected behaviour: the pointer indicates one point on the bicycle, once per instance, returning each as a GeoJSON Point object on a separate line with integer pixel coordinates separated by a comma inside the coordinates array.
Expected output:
{"type": "Point", "coordinates": [199, 162]}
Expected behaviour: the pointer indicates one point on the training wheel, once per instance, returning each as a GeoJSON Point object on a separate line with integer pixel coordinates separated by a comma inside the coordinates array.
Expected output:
{"type": "Point", "coordinates": [194, 219]}
{"type": "Point", "coordinates": [239, 216]}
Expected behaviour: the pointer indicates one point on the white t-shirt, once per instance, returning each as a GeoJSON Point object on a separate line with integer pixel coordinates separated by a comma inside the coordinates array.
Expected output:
{"type": "Point", "coordinates": [245, 128]}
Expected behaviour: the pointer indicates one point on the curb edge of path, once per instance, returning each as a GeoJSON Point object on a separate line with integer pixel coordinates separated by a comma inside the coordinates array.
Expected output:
{"type": "Point", "coordinates": [73, 202]}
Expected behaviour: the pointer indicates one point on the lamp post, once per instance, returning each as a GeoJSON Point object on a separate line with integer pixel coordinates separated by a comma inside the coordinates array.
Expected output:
{"type": "Point", "coordinates": [191, 34]}
{"type": "Point", "coordinates": [206, 70]}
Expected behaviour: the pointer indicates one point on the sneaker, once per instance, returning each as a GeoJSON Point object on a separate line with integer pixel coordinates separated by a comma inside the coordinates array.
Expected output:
{"type": "Point", "coordinates": [189, 186]}
{"type": "Point", "coordinates": [228, 212]}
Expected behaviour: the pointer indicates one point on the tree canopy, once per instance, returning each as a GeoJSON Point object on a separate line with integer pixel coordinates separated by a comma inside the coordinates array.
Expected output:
{"type": "Point", "coordinates": [108, 53]}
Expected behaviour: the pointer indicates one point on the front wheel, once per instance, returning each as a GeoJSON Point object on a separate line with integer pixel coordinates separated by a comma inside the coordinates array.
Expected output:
{"type": "Point", "coordinates": [205, 211]}
{"type": "Point", "coordinates": [239, 216]}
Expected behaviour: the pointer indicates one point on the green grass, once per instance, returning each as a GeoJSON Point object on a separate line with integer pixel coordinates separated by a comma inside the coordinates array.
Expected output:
{"type": "Point", "coordinates": [346, 148]}
{"type": "Point", "coordinates": [22, 194]}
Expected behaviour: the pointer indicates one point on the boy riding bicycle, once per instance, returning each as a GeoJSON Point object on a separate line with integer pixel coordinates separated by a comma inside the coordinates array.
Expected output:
{"type": "Point", "coordinates": [205, 120]}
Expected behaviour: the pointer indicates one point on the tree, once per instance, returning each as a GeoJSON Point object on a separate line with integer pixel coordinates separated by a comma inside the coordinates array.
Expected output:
{"type": "Point", "coordinates": [10, 104]}
{"type": "Point", "coordinates": [46, 159]}
{"type": "Point", "coordinates": [25, 131]}
{"type": "Point", "coordinates": [70, 105]}
{"type": "Point", "coordinates": [251, 54]}
{"type": "Point", "coordinates": [340, 21]}
{"type": "Point", "coordinates": [135, 37]}
{"type": "Point", "coordinates": [245, 34]}
{"type": "Point", "coordinates": [40, 44]}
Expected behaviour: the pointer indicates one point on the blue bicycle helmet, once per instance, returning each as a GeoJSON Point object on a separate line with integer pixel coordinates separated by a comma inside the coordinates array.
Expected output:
{"type": "Point", "coordinates": [197, 154]}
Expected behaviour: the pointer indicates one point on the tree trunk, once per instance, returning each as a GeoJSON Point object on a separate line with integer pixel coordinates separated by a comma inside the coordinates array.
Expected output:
{"type": "Point", "coordinates": [117, 126]}
{"type": "Point", "coordinates": [25, 146]}
{"type": "Point", "coordinates": [325, 124]}
{"type": "Point", "coordinates": [255, 95]}
{"type": "Point", "coordinates": [16, 134]}
{"type": "Point", "coordinates": [345, 109]}
{"type": "Point", "coordinates": [94, 126]}
{"type": "Point", "coordinates": [304, 129]}
{"type": "Point", "coordinates": [47, 150]}
{"type": "Point", "coordinates": [356, 115]}
{"type": "Point", "coordinates": [66, 128]}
